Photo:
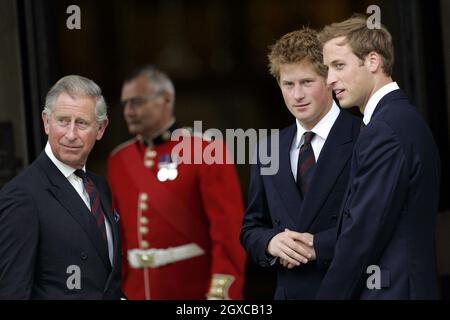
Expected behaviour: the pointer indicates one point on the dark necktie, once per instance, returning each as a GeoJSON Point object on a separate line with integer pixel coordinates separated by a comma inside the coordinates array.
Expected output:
{"type": "Point", "coordinates": [94, 197]}
{"type": "Point", "coordinates": [306, 162]}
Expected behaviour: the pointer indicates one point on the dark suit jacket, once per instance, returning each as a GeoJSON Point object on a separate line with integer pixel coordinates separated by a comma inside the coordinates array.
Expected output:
{"type": "Point", "coordinates": [275, 203]}
{"type": "Point", "coordinates": [45, 228]}
{"type": "Point", "coordinates": [389, 215]}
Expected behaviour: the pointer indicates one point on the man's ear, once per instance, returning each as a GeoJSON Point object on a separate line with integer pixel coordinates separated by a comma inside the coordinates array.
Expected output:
{"type": "Point", "coordinates": [45, 120]}
{"type": "Point", "coordinates": [102, 128]}
{"type": "Point", "coordinates": [373, 59]}
{"type": "Point", "coordinates": [167, 98]}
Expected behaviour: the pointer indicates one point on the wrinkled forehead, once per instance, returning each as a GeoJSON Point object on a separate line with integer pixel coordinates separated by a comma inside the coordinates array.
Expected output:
{"type": "Point", "coordinates": [74, 104]}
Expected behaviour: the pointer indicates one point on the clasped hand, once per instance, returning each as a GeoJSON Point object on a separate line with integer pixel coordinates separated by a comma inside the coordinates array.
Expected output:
{"type": "Point", "coordinates": [292, 248]}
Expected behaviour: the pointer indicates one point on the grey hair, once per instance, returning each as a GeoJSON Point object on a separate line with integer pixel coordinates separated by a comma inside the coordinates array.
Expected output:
{"type": "Point", "coordinates": [157, 79]}
{"type": "Point", "coordinates": [75, 85]}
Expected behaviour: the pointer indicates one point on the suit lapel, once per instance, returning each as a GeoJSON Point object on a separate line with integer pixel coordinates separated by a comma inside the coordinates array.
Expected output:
{"type": "Point", "coordinates": [379, 109]}
{"type": "Point", "coordinates": [333, 158]}
{"type": "Point", "coordinates": [105, 202]}
{"type": "Point", "coordinates": [98, 242]}
{"type": "Point", "coordinates": [284, 180]}
{"type": "Point", "coordinates": [107, 210]}
{"type": "Point", "coordinates": [63, 191]}
{"type": "Point", "coordinates": [66, 195]}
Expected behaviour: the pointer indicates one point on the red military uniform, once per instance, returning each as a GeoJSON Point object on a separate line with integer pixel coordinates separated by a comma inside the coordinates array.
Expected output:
{"type": "Point", "coordinates": [192, 213]}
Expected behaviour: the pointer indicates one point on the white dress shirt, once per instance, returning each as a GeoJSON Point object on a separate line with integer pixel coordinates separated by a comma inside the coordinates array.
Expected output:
{"type": "Point", "coordinates": [321, 130]}
{"type": "Point", "coordinates": [375, 98]}
{"type": "Point", "coordinates": [77, 183]}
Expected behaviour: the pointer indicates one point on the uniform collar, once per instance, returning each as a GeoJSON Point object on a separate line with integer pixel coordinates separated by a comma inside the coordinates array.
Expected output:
{"type": "Point", "coordinates": [161, 137]}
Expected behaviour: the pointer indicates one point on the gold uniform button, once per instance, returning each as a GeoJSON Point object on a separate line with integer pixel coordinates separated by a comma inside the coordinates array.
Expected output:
{"type": "Point", "coordinates": [149, 163]}
{"type": "Point", "coordinates": [143, 220]}
{"type": "Point", "coordinates": [143, 196]}
{"type": "Point", "coordinates": [143, 206]}
{"type": "Point", "coordinates": [143, 230]}
{"type": "Point", "coordinates": [150, 154]}
{"type": "Point", "coordinates": [144, 244]}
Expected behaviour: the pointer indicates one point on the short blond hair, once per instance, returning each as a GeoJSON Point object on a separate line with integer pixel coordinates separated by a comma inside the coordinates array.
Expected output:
{"type": "Point", "coordinates": [295, 47]}
{"type": "Point", "coordinates": [362, 40]}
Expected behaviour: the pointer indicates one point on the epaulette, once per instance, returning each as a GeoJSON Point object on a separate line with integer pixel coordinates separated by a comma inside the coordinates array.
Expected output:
{"type": "Point", "coordinates": [122, 146]}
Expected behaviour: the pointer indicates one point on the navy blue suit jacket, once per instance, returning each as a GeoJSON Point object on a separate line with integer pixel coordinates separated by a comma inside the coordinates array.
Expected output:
{"type": "Point", "coordinates": [388, 218]}
{"type": "Point", "coordinates": [45, 228]}
{"type": "Point", "coordinates": [275, 203]}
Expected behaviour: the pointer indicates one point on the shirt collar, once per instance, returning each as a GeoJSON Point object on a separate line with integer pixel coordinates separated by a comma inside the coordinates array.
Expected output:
{"type": "Point", "coordinates": [375, 99]}
{"type": "Point", "coordinates": [65, 169]}
{"type": "Point", "coordinates": [322, 128]}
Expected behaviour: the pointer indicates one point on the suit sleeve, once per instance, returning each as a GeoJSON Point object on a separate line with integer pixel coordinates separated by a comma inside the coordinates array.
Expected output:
{"type": "Point", "coordinates": [257, 229]}
{"type": "Point", "coordinates": [370, 212]}
{"type": "Point", "coordinates": [324, 243]}
{"type": "Point", "coordinates": [222, 200]}
{"type": "Point", "coordinates": [18, 243]}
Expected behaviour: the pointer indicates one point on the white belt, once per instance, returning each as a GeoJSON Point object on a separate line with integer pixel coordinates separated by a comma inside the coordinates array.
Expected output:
{"type": "Point", "coordinates": [154, 258]}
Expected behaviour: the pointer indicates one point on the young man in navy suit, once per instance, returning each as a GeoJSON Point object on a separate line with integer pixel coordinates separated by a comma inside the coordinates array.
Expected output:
{"type": "Point", "coordinates": [59, 238]}
{"type": "Point", "coordinates": [385, 248]}
{"type": "Point", "coordinates": [290, 222]}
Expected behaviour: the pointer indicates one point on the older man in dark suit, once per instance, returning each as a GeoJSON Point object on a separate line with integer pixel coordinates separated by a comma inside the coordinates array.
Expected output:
{"type": "Point", "coordinates": [59, 238]}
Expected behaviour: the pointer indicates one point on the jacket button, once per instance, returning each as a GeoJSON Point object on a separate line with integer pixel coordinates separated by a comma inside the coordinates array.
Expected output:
{"type": "Point", "coordinates": [277, 221]}
{"type": "Point", "coordinates": [346, 214]}
{"type": "Point", "coordinates": [144, 244]}
{"type": "Point", "coordinates": [143, 220]}
{"type": "Point", "coordinates": [83, 255]}
{"type": "Point", "coordinates": [143, 196]}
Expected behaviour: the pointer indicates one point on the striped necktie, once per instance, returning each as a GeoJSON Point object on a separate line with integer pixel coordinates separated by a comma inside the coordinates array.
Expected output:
{"type": "Point", "coordinates": [305, 164]}
{"type": "Point", "coordinates": [94, 197]}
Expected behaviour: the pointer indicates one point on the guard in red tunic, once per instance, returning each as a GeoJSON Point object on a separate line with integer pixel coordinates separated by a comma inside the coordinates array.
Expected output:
{"type": "Point", "coordinates": [180, 222]}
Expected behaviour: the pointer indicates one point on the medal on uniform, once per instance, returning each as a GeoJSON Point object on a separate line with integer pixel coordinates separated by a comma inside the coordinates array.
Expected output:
{"type": "Point", "coordinates": [173, 171]}
{"type": "Point", "coordinates": [162, 174]}
{"type": "Point", "coordinates": [167, 169]}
